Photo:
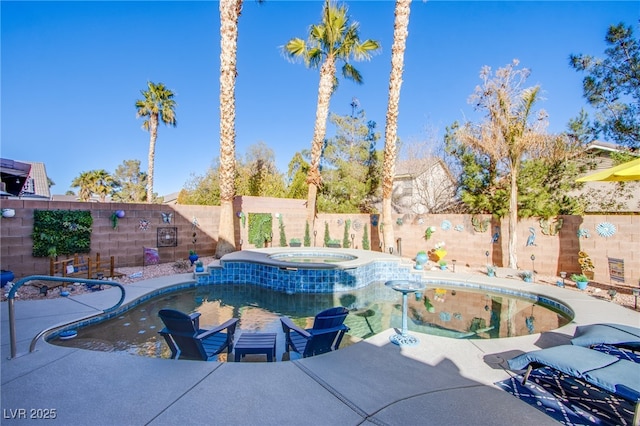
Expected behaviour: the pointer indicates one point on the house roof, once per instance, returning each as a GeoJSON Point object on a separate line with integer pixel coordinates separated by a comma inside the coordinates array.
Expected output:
{"type": "Point", "coordinates": [414, 167]}
{"type": "Point", "coordinates": [604, 146]}
{"type": "Point", "coordinates": [25, 179]}
{"type": "Point", "coordinates": [37, 184]}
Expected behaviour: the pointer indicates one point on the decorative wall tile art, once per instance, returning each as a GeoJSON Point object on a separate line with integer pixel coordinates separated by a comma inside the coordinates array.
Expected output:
{"type": "Point", "coordinates": [167, 217]}
{"type": "Point", "coordinates": [479, 224]}
{"type": "Point", "coordinates": [551, 226]}
{"type": "Point", "coordinates": [144, 225]}
{"type": "Point", "coordinates": [606, 229]}
{"type": "Point", "coordinates": [583, 233]}
{"type": "Point", "coordinates": [496, 235]}
{"type": "Point", "coordinates": [168, 237]}
{"type": "Point", "coordinates": [531, 241]}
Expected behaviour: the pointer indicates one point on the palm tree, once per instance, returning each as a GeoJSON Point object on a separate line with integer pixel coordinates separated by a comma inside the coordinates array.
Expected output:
{"type": "Point", "coordinates": [334, 39]}
{"type": "Point", "coordinates": [510, 130]}
{"type": "Point", "coordinates": [103, 184]}
{"type": "Point", "coordinates": [157, 105]}
{"type": "Point", "coordinates": [229, 14]}
{"type": "Point", "coordinates": [98, 182]}
{"type": "Point", "coordinates": [400, 32]}
{"type": "Point", "coordinates": [84, 182]}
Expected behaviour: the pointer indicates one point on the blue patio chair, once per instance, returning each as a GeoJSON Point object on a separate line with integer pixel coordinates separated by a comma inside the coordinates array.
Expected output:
{"type": "Point", "coordinates": [325, 335]}
{"type": "Point", "coordinates": [187, 340]}
{"type": "Point", "coordinates": [607, 372]}
{"type": "Point", "coordinates": [622, 336]}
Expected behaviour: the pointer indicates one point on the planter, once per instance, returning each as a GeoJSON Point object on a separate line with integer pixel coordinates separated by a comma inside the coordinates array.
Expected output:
{"type": "Point", "coordinates": [193, 258]}
{"type": "Point", "coordinates": [295, 244]}
{"type": "Point", "coordinates": [436, 255]}
{"type": "Point", "coordinates": [491, 273]}
{"type": "Point", "coordinates": [333, 245]}
{"type": "Point", "coordinates": [6, 277]}
{"type": "Point", "coordinates": [199, 268]}
{"type": "Point", "coordinates": [421, 259]}
{"type": "Point", "coordinates": [527, 279]}
{"type": "Point", "coordinates": [443, 267]}
{"type": "Point", "coordinates": [582, 284]}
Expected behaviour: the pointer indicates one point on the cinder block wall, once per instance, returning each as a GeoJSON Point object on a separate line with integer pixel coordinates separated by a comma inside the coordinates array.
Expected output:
{"type": "Point", "coordinates": [125, 242]}
{"type": "Point", "coordinates": [552, 253]}
{"type": "Point", "coordinates": [468, 246]}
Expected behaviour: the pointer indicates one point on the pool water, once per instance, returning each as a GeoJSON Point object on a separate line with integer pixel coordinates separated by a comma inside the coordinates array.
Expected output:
{"type": "Point", "coordinates": [445, 311]}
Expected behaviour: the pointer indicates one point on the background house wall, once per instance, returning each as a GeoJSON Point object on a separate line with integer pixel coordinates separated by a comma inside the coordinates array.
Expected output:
{"type": "Point", "coordinates": [621, 196]}
{"type": "Point", "coordinates": [553, 253]}
{"type": "Point", "coordinates": [422, 185]}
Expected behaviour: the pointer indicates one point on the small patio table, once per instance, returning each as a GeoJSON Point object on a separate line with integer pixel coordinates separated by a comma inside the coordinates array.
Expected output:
{"type": "Point", "coordinates": [256, 343]}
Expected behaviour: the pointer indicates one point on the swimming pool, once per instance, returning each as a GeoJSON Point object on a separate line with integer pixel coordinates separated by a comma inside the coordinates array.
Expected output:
{"type": "Point", "coordinates": [445, 310]}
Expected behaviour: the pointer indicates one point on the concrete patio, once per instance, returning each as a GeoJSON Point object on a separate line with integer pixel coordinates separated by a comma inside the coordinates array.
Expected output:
{"type": "Point", "coordinates": [441, 381]}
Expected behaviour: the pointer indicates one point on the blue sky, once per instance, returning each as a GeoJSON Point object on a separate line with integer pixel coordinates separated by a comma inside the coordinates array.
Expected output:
{"type": "Point", "coordinates": [72, 71]}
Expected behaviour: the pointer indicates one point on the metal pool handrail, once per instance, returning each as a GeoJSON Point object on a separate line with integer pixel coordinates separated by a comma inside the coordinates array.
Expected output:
{"type": "Point", "coordinates": [19, 283]}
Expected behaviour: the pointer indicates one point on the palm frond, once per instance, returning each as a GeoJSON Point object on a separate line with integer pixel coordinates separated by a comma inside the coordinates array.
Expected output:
{"type": "Point", "coordinates": [315, 57]}
{"type": "Point", "coordinates": [349, 72]}
{"type": "Point", "coordinates": [296, 48]}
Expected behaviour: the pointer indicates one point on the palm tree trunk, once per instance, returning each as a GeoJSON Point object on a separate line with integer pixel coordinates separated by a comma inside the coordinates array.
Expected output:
{"type": "Point", "coordinates": [400, 32]}
{"type": "Point", "coordinates": [314, 179]}
{"type": "Point", "coordinates": [229, 13]}
{"type": "Point", "coordinates": [513, 217]}
{"type": "Point", "coordinates": [153, 132]}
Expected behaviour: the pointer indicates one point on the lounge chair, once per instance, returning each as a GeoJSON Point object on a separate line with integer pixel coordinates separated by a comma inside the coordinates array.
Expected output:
{"type": "Point", "coordinates": [607, 372]}
{"type": "Point", "coordinates": [325, 336]}
{"type": "Point", "coordinates": [187, 340]}
{"type": "Point", "coordinates": [619, 335]}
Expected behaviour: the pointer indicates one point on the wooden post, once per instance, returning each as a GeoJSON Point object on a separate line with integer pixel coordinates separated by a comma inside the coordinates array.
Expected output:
{"type": "Point", "coordinates": [89, 270]}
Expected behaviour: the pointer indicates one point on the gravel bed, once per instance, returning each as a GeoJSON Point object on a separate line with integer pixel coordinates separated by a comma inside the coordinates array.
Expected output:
{"type": "Point", "coordinates": [31, 290]}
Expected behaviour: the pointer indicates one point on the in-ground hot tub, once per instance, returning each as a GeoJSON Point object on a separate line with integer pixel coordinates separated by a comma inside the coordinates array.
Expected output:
{"type": "Point", "coordinates": [307, 256]}
{"type": "Point", "coordinates": [307, 270]}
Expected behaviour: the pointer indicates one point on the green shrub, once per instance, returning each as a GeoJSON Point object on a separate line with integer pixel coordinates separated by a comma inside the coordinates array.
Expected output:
{"type": "Point", "coordinates": [260, 226]}
{"type": "Point", "coordinates": [283, 237]}
{"type": "Point", "coordinates": [346, 242]}
{"type": "Point", "coordinates": [307, 236]}
{"type": "Point", "coordinates": [365, 239]}
{"type": "Point", "coordinates": [327, 237]}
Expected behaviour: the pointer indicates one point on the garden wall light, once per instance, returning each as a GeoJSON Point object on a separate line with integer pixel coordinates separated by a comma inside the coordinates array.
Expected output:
{"type": "Point", "coordinates": [636, 293]}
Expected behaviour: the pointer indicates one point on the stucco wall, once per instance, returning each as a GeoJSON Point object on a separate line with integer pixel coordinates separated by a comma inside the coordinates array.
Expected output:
{"type": "Point", "coordinates": [553, 253]}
